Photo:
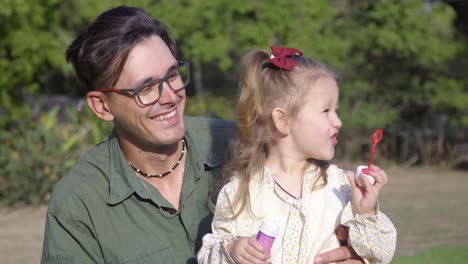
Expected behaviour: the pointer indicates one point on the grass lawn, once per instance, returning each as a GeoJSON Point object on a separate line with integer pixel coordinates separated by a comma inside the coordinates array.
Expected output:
{"type": "Point", "coordinates": [428, 206]}
{"type": "Point", "coordinates": [444, 255]}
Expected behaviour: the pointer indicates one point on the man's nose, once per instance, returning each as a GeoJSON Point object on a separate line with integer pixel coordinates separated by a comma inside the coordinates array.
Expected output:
{"type": "Point", "coordinates": [168, 96]}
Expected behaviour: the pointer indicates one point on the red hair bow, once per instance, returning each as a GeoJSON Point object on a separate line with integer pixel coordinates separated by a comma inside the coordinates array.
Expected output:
{"type": "Point", "coordinates": [281, 57]}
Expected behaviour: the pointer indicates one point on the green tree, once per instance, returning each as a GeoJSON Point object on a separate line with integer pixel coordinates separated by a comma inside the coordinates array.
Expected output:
{"type": "Point", "coordinates": [31, 47]}
{"type": "Point", "coordinates": [214, 34]}
{"type": "Point", "coordinates": [400, 72]}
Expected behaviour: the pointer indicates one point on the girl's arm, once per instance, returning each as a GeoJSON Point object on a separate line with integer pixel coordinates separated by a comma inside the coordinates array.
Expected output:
{"type": "Point", "coordinates": [214, 245]}
{"type": "Point", "coordinates": [371, 233]}
{"type": "Point", "coordinates": [372, 237]}
{"type": "Point", "coordinates": [224, 245]}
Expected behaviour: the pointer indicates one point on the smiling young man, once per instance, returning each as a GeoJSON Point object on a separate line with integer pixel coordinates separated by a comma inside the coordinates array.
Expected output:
{"type": "Point", "coordinates": [149, 120]}
{"type": "Point", "coordinates": [142, 195]}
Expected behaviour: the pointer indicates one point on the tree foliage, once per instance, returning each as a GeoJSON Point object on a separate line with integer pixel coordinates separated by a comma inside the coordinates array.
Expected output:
{"type": "Point", "coordinates": [402, 62]}
{"type": "Point", "coordinates": [403, 67]}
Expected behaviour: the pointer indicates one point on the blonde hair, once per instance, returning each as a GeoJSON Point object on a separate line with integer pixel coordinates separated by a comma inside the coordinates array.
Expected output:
{"type": "Point", "coordinates": [263, 87]}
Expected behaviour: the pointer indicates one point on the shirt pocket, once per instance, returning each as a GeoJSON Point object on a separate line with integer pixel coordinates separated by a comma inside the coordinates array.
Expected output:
{"type": "Point", "coordinates": [159, 255]}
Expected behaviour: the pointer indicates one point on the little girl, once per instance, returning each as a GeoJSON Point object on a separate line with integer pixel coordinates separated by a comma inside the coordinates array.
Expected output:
{"type": "Point", "coordinates": [288, 129]}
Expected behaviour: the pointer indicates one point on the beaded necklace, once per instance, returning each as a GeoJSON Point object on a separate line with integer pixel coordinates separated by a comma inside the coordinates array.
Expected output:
{"type": "Point", "coordinates": [142, 173]}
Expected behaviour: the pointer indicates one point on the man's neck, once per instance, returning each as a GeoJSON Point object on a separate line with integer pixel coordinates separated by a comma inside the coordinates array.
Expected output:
{"type": "Point", "coordinates": [152, 160]}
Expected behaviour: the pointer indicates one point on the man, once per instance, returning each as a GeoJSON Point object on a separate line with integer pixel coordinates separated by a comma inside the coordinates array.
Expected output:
{"type": "Point", "coordinates": [142, 195]}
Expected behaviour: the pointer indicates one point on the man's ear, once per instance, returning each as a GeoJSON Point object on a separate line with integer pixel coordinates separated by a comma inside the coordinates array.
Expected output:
{"type": "Point", "coordinates": [281, 120]}
{"type": "Point", "coordinates": [98, 102]}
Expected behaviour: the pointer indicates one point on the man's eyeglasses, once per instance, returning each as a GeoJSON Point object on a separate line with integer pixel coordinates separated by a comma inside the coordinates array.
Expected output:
{"type": "Point", "coordinates": [149, 92]}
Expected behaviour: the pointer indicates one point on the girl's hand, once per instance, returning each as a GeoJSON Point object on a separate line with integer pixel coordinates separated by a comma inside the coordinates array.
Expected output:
{"type": "Point", "coordinates": [247, 250]}
{"type": "Point", "coordinates": [364, 198]}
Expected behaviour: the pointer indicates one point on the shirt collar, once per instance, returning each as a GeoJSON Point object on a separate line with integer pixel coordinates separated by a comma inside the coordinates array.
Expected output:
{"type": "Point", "coordinates": [123, 181]}
{"type": "Point", "coordinates": [310, 175]}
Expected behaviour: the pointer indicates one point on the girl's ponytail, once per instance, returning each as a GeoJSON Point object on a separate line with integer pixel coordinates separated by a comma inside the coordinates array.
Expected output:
{"type": "Point", "coordinates": [249, 110]}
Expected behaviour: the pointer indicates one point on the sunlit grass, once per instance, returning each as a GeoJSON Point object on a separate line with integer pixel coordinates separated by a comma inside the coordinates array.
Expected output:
{"type": "Point", "coordinates": [442, 255]}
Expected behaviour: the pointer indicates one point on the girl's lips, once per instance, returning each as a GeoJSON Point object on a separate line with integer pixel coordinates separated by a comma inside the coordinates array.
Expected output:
{"type": "Point", "coordinates": [334, 139]}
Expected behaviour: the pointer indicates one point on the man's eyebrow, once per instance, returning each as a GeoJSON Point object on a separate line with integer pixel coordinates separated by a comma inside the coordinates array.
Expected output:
{"type": "Point", "coordinates": [145, 81]}
{"type": "Point", "coordinates": [151, 79]}
{"type": "Point", "coordinates": [172, 67]}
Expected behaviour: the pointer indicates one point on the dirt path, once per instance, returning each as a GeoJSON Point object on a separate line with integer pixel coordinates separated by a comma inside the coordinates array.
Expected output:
{"type": "Point", "coordinates": [21, 234]}
{"type": "Point", "coordinates": [428, 206]}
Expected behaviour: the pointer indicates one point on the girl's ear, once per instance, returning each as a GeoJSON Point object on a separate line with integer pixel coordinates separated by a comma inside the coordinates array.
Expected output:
{"type": "Point", "coordinates": [281, 120]}
{"type": "Point", "coordinates": [97, 101]}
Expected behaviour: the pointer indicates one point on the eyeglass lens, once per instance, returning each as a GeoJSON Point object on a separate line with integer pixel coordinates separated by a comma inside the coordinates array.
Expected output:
{"type": "Point", "coordinates": [176, 79]}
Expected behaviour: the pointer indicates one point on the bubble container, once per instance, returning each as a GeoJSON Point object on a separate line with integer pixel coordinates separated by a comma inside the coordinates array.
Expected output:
{"type": "Point", "coordinates": [360, 172]}
{"type": "Point", "coordinates": [267, 234]}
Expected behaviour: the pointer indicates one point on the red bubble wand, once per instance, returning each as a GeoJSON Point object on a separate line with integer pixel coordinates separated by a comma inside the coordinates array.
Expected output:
{"type": "Point", "coordinates": [376, 137]}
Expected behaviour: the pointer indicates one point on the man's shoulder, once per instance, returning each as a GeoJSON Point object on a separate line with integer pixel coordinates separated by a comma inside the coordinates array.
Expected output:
{"type": "Point", "coordinates": [202, 122]}
{"type": "Point", "coordinates": [208, 130]}
{"type": "Point", "coordinates": [85, 179]}
{"type": "Point", "coordinates": [210, 137]}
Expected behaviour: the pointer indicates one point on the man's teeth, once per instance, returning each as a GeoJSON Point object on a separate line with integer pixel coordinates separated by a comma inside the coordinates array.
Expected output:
{"type": "Point", "coordinates": [164, 117]}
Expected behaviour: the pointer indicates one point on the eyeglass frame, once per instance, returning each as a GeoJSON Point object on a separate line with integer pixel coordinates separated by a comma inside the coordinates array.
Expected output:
{"type": "Point", "coordinates": [136, 91]}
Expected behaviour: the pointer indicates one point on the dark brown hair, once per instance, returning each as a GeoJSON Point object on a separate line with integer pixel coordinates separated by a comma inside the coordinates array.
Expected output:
{"type": "Point", "coordinates": [98, 55]}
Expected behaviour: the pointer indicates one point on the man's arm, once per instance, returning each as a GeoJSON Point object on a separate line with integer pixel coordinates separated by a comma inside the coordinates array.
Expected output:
{"type": "Point", "coordinates": [67, 239]}
{"type": "Point", "coordinates": [343, 254]}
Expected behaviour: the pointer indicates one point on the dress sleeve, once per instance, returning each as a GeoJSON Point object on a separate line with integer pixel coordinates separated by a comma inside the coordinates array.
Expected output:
{"type": "Point", "coordinates": [372, 237]}
{"type": "Point", "coordinates": [213, 249]}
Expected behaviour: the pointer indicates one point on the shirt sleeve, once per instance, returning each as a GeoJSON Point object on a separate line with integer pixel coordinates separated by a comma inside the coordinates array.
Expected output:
{"type": "Point", "coordinates": [213, 249]}
{"type": "Point", "coordinates": [68, 239]}
{"type": "Point", "coordinates": [372, 237]}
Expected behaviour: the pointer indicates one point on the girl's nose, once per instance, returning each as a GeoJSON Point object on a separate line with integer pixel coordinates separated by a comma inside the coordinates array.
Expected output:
{"type": "Point", "coordinates": [337, 122]}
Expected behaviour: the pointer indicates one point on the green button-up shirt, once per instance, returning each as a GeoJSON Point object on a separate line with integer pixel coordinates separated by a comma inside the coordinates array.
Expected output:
{"type": "Point", "coordinates": [100, 212]}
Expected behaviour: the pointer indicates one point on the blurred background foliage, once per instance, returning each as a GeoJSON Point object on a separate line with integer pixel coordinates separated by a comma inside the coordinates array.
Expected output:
{"type": "Point", "coordinates": [403, 66]}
